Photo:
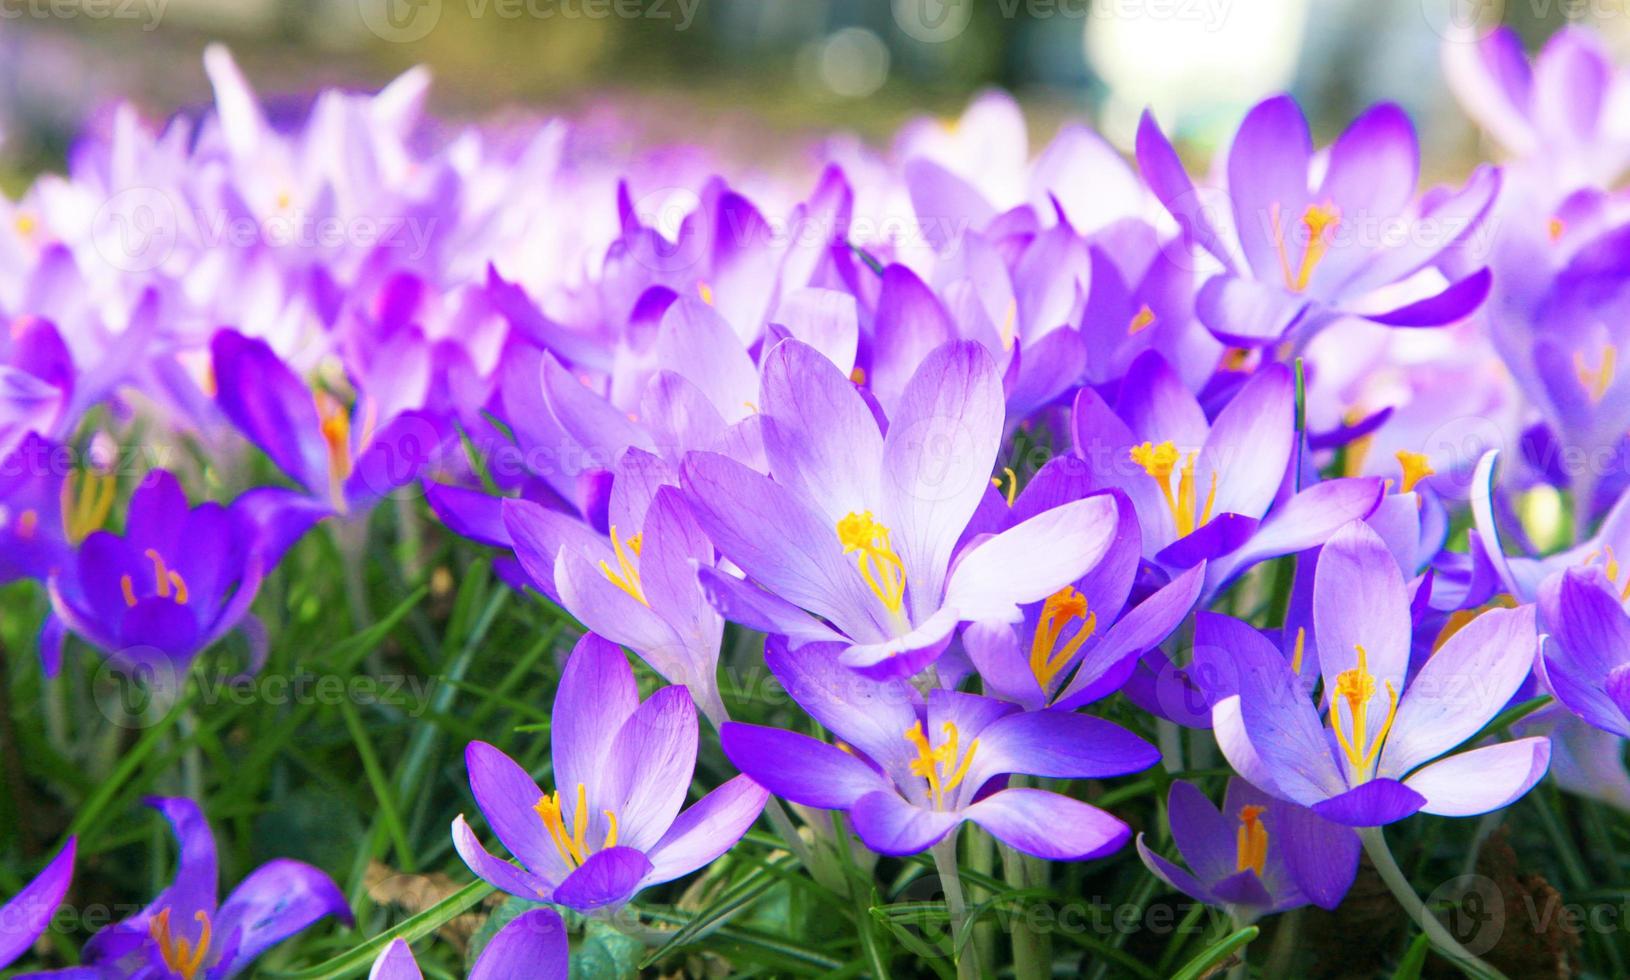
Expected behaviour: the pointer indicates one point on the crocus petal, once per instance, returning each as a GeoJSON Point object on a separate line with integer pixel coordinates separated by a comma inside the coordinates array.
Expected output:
{"type": "Point", "coordinates": [825, 319]}
{"type": "Point", "coordinates": [1359, 601]}
{"type": "Point", "coordinates": [1048, 825]}
{"type": "Point", "coordinates": [531, 946]}
{"type": "Point", "coordinates": [608, 877]}
{"type": "Point", "coordinates": [819, 437]}
{"type": "Point", "coordinates": [264, 399]}
{"type": "Point", "coordinates": [937, 458]}
{"type": "Point", "coordinates": [1243, 888]}
{"type": "Point", "coordinates": [797, 767]}
{"type": "Point", "coordinates": [396, 963]}
{"type": "Point", "coordinates": [499, 874]}
{"type": "Point", "coordinates": [1058, 745]}
{"type": "Point", "coordinates": [1371, 804]}
{"type": "Point", "coordinates": [1249, 444]}
{"type": "Point", "coordinates": [1171, 874]}
{"type": "Point", "coordinates": [277, 900]}
{"type": "Point", "coordinates": [1169, 180]}
{"type": "Point", "coordinates": [1461, 687]}
{"type": "Point", "coordinates": [1267, 180]}
{"type": "Point", "coordinates": [1483, 779]}
{"type": "Point", "coordinates": [1204, 836]}
{"type": "Point", "coordinates": [597, 694]}
{"type": "Point", "coordinates": [750, 607]}
{"type": "Point", "coordinates": [871, 715]}
{"type": "Point", "coordinates": [506, 796]}
{"type": "Point", "coordinates": [1453, 303]}
{"type": "Point", "coordinates": [650, 766]}
{"type": "Point", "coordinates": [1321, 856]}
{"type": "Point", "coordinates": [1029, 562]}
{"type": "Point", "coordinates": [25, 916]}
{"type": "Point", "coordinates": [695, 341]}
{"type": "Point", "coordinates": [887, 824]}
{"type": "Point", "coordinates": [1304, 521]}
{"type": "Point", "coordinates": [909, 325]}
{"type": "Point", "coordinates": [1246, 312]}
{"type": "Point", "coordinates": [706, 829]}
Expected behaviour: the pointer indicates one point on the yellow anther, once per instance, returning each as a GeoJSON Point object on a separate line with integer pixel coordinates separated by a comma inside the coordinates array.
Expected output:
{"type": "Point", "coordinates": [1554, 229]}
{"type": "Point", "coordinates": [1301, 648]}
{"type": "Point", "coordinates": [161, 574]}
{"type": "Point", "coordinates": [1141, 320]}
{"type": "Point", "coordinates": [128, 588]}
{"type": "Point", "coordinates": [1252, 851]}
{"type": "Point", "coordinates": [858, 375]}
{"type": "Point", "coordinates": [705, 291]}
{"type": "Point", "coordinates": [1012, 484]}
{"type": "Point", "coordinates": [1010, 324]}
{"type": "Point", "coordinates": [879, 564]}
{"type": "Point", "coordinates": [179, 954]}
{"type": "Point", "coordinates": [27, 523]}
{"type": "Point", "coordinates": [573, 847]}
{"type": "Point", "coordinates": [627, 576]}
{"type": "Point", "coordinates": [1356, 686]}
{"type": "Point", "coordinates": [1597, 380]}
{"type": "Point", "coordinates": [1416, 467]}
{"type": "Point", "coordinates": [26, 224]}
{"type": "Point", "coordinates": [85, 506]}
{"type": "Point", "coordinates": [944, 767]}
{"type": "Point", "coordinates": [1316, 220]}
{"type": "Point", "coordinates": [1058, 611]}
{"type": "Point", "coordinates": [1158, 461]}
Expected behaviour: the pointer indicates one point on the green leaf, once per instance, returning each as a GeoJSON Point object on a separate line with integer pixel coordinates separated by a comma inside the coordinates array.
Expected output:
{"type": "Point", "coordinates": [359, 959]}
{"type": "Point", "coordinates": [1216, 953]}
{"type": "Point", "coordinates": [1414, 959]}
{"type": "Point", "coordinates": [606, 954]}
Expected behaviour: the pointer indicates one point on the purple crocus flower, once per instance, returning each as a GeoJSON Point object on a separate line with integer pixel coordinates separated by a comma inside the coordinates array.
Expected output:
{"type": "Point", "coordinates": [27, 914]}
{"type": "Point", "coordinates": [622, 769]}
{"type": "Point", "coordinates": [636, 586]}
{"type": "Point", "coordinates": [1298, 253]}
{"type": "Point", "coordinates": [531, 946]}
{"type": "Point", "coordinates": [1375, 763]}
{"type": "Point", "coordinates": [1211, 490]}
{"type": "Point", "coordinates": [1080, 643]}
{"type": "Point", "coordinates": [908, 774]}
{"type": "Point", "coordinates": [179, 579]}
{"type": "Point", "coordinates": [185, 935]}
{"type": "Point", "coordinates": [344, 457]}
{"type": "Point", "coordinates": [1587, 661]}
{"type": "Point", "coordinates": [852, 541]}
{"type": "Point", "coordinates": [1259, 855]}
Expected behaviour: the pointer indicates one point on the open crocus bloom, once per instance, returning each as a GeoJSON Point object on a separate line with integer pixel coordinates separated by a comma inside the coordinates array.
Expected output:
{"type": "Point", "coordinates": [1298, 253]}
{"type": "Point", "coordinates": [177, 580]}
{"type": "Point", "coordinates": [1375, 763]}
{"type": "Point", "coordinates": [1080, 643]}
{"type": "Point", "coordinates": [1209, 490]}
{"type": "Point", "coordinates": [531, 946]}
{"type": "Point", "coordinates": [852, 541]}
{"type": "Point", "coordinates": [184, 935]}
{"type": "Point", "coordinates": [1258, 856]}
{"type": "Point", "coordinates": [27, 914]}
{"type": "Point", "coordinates": [345, 457]}
{"type": "Point", "coordinates": [636, 586]}
{"type": "Point", "coordinates": [908, 775]}
{"type": "Point", "coordinates": [1587, 661]}
{"type": "Point", "coordinates": [622, 770]}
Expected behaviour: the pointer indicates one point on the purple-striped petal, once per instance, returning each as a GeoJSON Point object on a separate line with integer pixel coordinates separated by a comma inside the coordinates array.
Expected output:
{"type": "Point", "coordinates": [1483, 779]}
{"type": "Point", "coordinates": [26, 915]}
{"type": "Point", "coordinates": [798, 768]}
{"type": "Point", "coordinates": [608, 877]}
{"type": "Point", "coordinates": [706, 829]}
{"type": "Point", "coordinates": [1048, 825]}
{"type": "Point", "coordinates": [531, 946]}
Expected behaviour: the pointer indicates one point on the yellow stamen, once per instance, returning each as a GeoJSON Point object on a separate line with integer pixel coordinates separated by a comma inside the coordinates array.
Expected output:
{"type": "Point", "coordinates": [627, 577]}
{"type": "Point", "coordinates": [1554, 229]}
{"type": "Point", "coordinates": [1252, 851]}
{"type": "Point", "coordinates": [1010, 324]}
{"type": "Point", "coordinates": [161, 574]}
{"type": "Point", "coordinates": [335, 425]}
{"type": "Point", "coordinates": [573, 847]}
{"type": "Point", "coordinates": [167, 582]}
{"type": "Point", "coordinates": [858, 375]}
{"type": "Point", "coordinates": [705, 291]}
{"type": "Point", "coordinates": [1416, 468]}
{"type": "Point", "coordinates": [1236, 359]}
{"type": "Point", "coordinates": [1058, 611]}
{"type": "Point", "coordinates": [1597, 381]}
{"type": "Point", "coordinates": [1158, 461]}
{"type": "Point", "coordinates": [27, 523]}
{"type": "Point", "coordinates": [1301, 648]}
{"type": "Point", "coordinates": [1356, 686]}
{"type": "Point", "coordinates": [1140, 321]}
{"type": "Point", "coordinates": [943, 767]}
{"type": "Point", "coordinates": [879, 564]}
{"type": "Point", "coordinates": [85, 507]}
{"type": "Point", "coordinates": [1012, 484]}
{"type": "Point", "coordinates": [128, 588]}
{"type": "Point", "coordinates": [26, 224]}
{"type": "Point", "coordinates": [1316, 220]}
{"type": "Point", "coordinates": [179, 954]}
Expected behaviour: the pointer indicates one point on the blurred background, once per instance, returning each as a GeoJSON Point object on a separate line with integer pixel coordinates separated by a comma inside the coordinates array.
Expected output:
{"type": "Point", "coordinates": [746, 73]}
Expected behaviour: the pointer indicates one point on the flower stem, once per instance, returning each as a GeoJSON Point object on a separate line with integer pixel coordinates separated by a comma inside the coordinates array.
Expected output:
{"type": "Point", "coordinates": [945, 861]}
{"type": "Point", "coordinates": [1375, 845]}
